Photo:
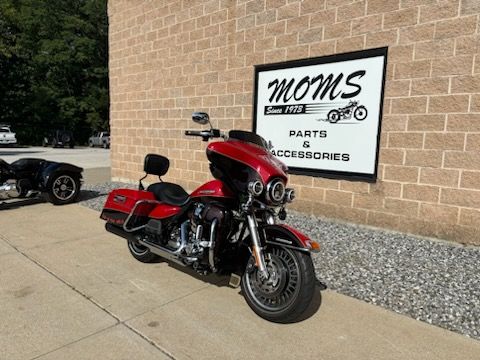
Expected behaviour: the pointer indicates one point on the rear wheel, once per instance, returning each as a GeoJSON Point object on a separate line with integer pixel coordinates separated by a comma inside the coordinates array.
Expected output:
{"type": "Point", "coordinates": [333, 116]}
{"type": "Point", "coordinates": [141, 253]}
{"type": "Point", "coordinates": [288, 291]}
{"type": "Point", "coordinates": [63, 188]}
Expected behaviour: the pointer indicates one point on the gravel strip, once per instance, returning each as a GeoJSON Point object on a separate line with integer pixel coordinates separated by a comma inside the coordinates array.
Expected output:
{"type": "Point", "coordinates": [429, 280]}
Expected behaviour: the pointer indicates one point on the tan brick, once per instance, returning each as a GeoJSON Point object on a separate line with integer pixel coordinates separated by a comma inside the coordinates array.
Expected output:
{"type": "Point", "coordinates": [392, 156]}
{"type": "Point", "coordinates": [463, 122]}
{"type": "Point", "coordinates": [367, 201]}
{"type": "Point", "coordinates": [288, 11]}
{"type": "Point", "coordinates": [412, 69]}
{"type": "Point", "coordinates": [465, 84]}
{"type": "Point", "coordinates": [431, 86]}
{"type": "Point", "coordinates": [311, 6]}
{"type": "Point", "coordinates": [469, 7]}
{"type": "Point", "coordinates": [337, 30]}
{"type": "Point", "coordinates": [421, 192]}
{"type": "Point", "coordinates": [401, 207]}
{"type": "Point", "coordinates": [286, 40]}
{"type": "Point", "coordinates": [434, 49]}
{"type": "Point", "coordinates": [470, 180]}
{"type": "Point", "coordinates": [350, 44]}
{"type": "Point", "coordinates": [326, 183]}
{"type": "Point", "coordinates": [445, 141]}
{"type": "Point", "coordinates": [381, 6]}
{"type": "Point", "coordinates": [383, 220]}
{"type": "Point", "coordinates": [439, 213]}
{"type": "Point", "coordinates": [467, 45]}
{"type": "Point", "coordinates": [297, 52]}
{"type": "Point", "coordinates": [424, 158]}
{"type": "Point", "coordinates": [448, 104]}
{"type": "Point", "coordinates": [475, 103]}
{"type": "Point", "coordinates": [440, 177]}
{"type": "Point", "coordinates": [312, 194]}
{"type": "Point", "coordinates": [445, 10]}
{"type": "Point", "coordinates": [394, 123]}
{"type": "Point", "coordinates": [395, 88]}
{"type": "Point", "coordinates": [367, 24]}
{"type": "Point", "coordinates": [469, 160]}
{"type": "Point", "coordinates": [401, 173]}
{"type": "Point", "coordinates": [351, 11]}
{"type": "Point", "coordinates": [411, 105]}
{"type": "Point", "coordinates": [354, 186]}
{"type": "Point", "coordinates": [342, 198]}
{"type": "Point", "coordinates": [473, 142]}
{"type": "Point", "coordinates": [310, 36]}
{"type": "Point", "coordinates": [405, 140]}
{"type": "Point", "coordinates": [470, 217]}
{"type": "Point", "coordinates": [413, 34]}
{"type": "Point", "coordinates": [457, 65]}
{"type": "Point", "coordinates": [254, 6]}
{"type": "Point", "coordinates": [400, 18]}
{"type": "Point", "coordinates": [400, 53]}
{"type": "Point", "coordinates": [323, 48]}
{"type": "Point", "coordinates": [426, 122]}
{"type": "Point", "coordinates": [456, 27]}
{"type": "Point", "coordinates": [382, 38]}
{"type": "Point", "coordinates": [322, 18]}
{"type": "Point", "coordinates": [299, 180]}
{"type": "Point", "coordinates": [460, 197]}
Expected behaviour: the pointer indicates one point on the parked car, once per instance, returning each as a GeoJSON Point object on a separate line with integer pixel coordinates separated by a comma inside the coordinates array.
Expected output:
{"type": "Point", "coordinates": [100, 138]}
{"type": "Point", "coordinates": [59, 138]}
{"type": "Point", "coordinates": [7, 137]}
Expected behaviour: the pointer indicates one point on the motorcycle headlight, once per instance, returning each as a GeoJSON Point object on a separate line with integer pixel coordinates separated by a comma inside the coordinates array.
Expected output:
{"type": "Point", "coordinates": [289, 195]}
{"type": "Point", "coordinates": [275, 191]}
{"type": "Point", "coordinates": [255, 188]}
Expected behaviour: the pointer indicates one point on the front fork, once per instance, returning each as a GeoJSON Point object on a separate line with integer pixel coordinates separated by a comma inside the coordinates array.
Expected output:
{"type": "Point", "coordinates": [257, 246]}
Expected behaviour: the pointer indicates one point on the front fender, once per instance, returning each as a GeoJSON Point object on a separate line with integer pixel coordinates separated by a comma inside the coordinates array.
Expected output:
{"type": "Point", "coordinates": [284, 235]}
{"type": "Point", "coordinates": [54, 168]}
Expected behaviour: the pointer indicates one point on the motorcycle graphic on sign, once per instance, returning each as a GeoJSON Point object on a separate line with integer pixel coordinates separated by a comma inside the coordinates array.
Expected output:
{"type": "Point", "coordinates": [359, 112]}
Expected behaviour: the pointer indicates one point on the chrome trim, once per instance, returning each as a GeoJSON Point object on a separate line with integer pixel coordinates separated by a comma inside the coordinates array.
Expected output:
{"type": "Point", "coordinates": [289, 195]}
{"type": "Point", "coordinates": [269, 242]}
{"type": "Point", "coordinates": [211, 250]}
{"type": "Point", "coordinates": [271, 190]}
{"type": "Point", "coordinates": [255, 187]}
{"type": "Point", "coordinates": [253, 228]}
{"type": "Point", "coordinates": [139, 202]}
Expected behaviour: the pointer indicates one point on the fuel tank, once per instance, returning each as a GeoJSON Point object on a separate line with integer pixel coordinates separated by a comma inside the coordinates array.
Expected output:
{"type": "Point", "coordinates": [214, 189]}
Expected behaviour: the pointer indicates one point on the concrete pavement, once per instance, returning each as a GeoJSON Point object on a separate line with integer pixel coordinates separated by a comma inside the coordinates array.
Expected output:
{"type": "Point", "coordinates": [69, 290]}
{"type": "Point", "coordinates": [81, 156]}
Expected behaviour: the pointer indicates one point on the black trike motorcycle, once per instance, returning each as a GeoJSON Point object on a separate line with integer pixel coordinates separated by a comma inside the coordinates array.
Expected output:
{"type": "Point", "coordinates": [30, 178]}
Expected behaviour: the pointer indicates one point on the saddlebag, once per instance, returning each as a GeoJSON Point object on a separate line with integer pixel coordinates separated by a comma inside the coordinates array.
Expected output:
{"type": "Point", "coordinates": [123, 204]}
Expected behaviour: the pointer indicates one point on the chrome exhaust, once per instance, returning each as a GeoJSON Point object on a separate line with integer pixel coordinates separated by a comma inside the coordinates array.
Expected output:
{"type": "Point", "coordinates": [9, 190]}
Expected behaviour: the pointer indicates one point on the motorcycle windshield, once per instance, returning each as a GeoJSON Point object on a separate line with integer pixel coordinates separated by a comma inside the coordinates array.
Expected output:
{"type": "Point", "coordinates": [248, 136]}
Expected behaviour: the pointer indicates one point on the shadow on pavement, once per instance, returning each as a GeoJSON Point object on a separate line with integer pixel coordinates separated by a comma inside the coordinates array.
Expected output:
{"type": "Point", "coordinates": [19, 203]}
{"type": "Point", "coordinates": [223, 280]}
{"type": "Point", "coordinates": [89, 194]}
{"type": "Point", "coordinates": [6, 153]}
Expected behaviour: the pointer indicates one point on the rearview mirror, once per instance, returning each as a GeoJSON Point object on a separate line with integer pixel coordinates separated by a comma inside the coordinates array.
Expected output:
{"type": "Point", "coordinates": [200, 118]}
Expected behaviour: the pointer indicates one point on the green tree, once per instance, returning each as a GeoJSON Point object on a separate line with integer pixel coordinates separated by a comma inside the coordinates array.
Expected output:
{"type": "Point", "coordinates": [53, 66]}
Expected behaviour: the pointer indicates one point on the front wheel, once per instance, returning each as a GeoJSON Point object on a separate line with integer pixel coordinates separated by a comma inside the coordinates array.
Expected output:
{"type": "Point", "coordinates": [360, 113]}
{"type": "Point", "coordinates": [63, 188]}
{"type": "Point", "coordinates": [288, 291]}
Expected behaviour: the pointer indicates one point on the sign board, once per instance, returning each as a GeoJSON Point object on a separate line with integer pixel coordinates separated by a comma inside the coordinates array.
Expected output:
{"type": "Point", "coordinates": [322, 115]}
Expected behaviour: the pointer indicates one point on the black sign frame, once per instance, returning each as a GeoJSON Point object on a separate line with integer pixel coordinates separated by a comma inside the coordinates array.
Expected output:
{"type": "Point", "coordinates": [362, 54]}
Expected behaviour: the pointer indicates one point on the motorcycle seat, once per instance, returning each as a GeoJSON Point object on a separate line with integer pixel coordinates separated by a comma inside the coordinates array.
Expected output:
{"type": "Point", "coordinates": [169, 193]}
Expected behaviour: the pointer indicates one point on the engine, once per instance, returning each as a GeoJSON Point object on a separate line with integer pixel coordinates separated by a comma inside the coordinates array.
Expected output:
{"type": "Point", "coordinates": [9, 189]}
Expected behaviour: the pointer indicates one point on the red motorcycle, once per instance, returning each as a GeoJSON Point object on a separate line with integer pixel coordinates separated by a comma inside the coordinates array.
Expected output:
{"type": "Point", "coordinates": [227, 225]}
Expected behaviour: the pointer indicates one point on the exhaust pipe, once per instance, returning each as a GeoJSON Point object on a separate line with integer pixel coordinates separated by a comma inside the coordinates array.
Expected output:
{"type": "Point", "coordinates": [154, 248]}
{"type": "Point", "coordinates": [9, 190]}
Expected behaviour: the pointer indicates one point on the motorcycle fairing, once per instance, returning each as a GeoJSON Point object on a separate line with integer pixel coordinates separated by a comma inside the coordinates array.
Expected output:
{"type": "Point", "coordinates": [292, 237]}
{"type": "Point", "coordinates": [51, 168]}
{"type": "Point", "coordinates": [255, 157]}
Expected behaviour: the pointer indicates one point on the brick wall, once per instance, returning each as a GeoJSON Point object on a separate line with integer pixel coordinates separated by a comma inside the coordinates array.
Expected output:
{"type": "Point", "coordinates": [170, 58]}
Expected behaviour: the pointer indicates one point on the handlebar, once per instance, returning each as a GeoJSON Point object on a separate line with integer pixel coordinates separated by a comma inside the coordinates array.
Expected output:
{"type": "Point", "coordinates": [204, 134]}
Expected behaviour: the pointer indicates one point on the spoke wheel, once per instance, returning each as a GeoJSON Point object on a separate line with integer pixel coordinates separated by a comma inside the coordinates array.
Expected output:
{"type": "Point", "coordinates": [287, 292]}
{"type": "Point", "coordinates": [360, 113]}
{"type": "Point", "coordinates": [63, 188]}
